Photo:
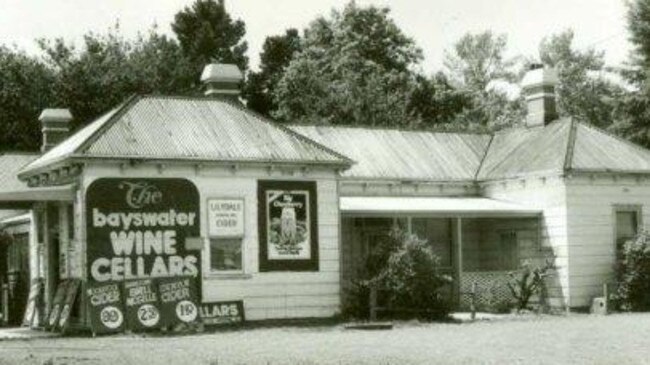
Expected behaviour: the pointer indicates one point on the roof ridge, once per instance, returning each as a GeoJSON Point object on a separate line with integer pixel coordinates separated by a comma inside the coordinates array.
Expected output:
{"type": "Point", "coordinates": [119, 111]}
{"type": "Point", "coordinates": [570, 147]}
{"type": "Point", "coordinates": [480, 165]}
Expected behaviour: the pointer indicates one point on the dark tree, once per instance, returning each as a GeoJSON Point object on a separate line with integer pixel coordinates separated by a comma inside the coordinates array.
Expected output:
{"type": "Point", "coordinates": [207, 34]}
{"type": "Point", "coordinates": [276, 55]}
{"type": "Point", "coordinates": [25, 89]}
{"type": "Point", "coordinates": [108, 69]}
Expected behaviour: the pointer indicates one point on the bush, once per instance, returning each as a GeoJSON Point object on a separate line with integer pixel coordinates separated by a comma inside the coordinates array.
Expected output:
{"type": "Point", "coordinates": [406, 273]}
{"type": "Point", "coordinates": [528, 281]}
{"type": "Point", "coordinates": [633, 274]}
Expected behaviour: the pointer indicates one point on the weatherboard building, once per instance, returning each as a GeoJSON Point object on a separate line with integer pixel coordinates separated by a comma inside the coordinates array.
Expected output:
{"type": "Point", "coordinates": [166, 208]}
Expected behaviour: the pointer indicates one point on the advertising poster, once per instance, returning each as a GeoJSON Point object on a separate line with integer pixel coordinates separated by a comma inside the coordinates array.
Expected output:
{"type": "Point", "coordinates": [225, 217]}
{"type": "Point", "coordinates": [222, 313]}
{"type": "Point", "coordinates": [141, 305]}
{"type": "Point", "coordinates": [68, 302]}
{"type": "Point", "coordinates": [105, 307]}
{"type": "Point", "coordinates": [178, 301]}
{"type": "Point", "coordinates": [288, 224]}
{"type": "Point", "coordinates": [57, 304]}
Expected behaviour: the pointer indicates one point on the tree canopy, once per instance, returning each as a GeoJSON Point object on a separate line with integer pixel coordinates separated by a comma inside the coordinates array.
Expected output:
{"type": "Point", "coordinates": [356, 67]}
{"type": "Point", "coordinates": [208, 34]}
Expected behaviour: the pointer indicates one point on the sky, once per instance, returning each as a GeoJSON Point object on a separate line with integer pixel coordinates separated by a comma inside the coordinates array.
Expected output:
{"type": "Point", "coordinates": [434, 24]}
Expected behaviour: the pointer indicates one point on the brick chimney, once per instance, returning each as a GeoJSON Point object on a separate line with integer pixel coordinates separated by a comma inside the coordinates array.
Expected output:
{"type": "Point", "coordinates": [222, 80]}
{"type": "Point", "coordinates": [538, 87]}
{"type": "Point", "coordinates": [55, 126]}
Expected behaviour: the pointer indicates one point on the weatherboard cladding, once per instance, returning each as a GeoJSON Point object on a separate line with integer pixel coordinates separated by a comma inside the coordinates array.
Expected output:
{"type": "Point", "coordinates": [178, 128]}
{"type": "Point", "coordinates": [403, 155]}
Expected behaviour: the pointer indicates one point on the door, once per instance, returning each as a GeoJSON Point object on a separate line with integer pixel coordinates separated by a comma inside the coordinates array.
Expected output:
{"type": "Point", "coordinates": [17, 276]}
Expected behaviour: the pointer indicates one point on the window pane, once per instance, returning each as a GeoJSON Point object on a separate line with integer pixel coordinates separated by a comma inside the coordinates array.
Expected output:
{"type": "Point", "coordinates": [626, 226]}
{"type": "Point", "coordinates": [225, 254]}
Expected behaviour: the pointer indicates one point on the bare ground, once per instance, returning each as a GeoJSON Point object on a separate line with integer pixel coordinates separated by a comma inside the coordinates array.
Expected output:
{"type": "Point", "coordinates": [575, 339]}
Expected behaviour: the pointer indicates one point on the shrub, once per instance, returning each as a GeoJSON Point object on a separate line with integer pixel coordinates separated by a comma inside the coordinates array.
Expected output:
{"type": "Point", "coordinates": [406, 272]}
{"type": "Point", "coordinates": [528, 281]}
{"type": "Point", "coordinates": [633, 274]}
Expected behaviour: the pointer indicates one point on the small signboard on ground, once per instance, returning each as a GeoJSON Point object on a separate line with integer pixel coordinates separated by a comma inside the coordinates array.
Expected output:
{"type": "Point", "coordinates": [178, 301]}
{"type": "Point", "coordinates": [142, 305]}
{"type": "Point", "coordinates": [105, 307]}
{"type": "Point", "coordinates": [57, 304]}
{"type": "Point", "coordinates": [68, 303]}
{"type": "Point", "coordinates": [222, 313]}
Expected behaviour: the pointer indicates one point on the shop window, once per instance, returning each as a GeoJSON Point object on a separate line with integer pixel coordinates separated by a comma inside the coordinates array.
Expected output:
{"type": "Point", "coordinates": [627, 224]}
{"type": "Point", "coordinates": [226, 254]}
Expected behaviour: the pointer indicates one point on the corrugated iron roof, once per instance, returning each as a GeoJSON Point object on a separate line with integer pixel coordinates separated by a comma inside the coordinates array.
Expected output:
{"type": "Point", "coordinates": [596, 150]}
{"type": "Point", "coordinates": [180, 128]}
{"type": "Point", "coordinates": [523, 151]}
{"type": "Point", "coordinates": [10, 164]}
{"type": "Point", "coordinates": [403, 155]}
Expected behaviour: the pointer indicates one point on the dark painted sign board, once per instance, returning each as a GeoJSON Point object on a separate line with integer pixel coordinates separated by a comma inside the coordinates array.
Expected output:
{"type": "Point", "coordinates": [138, 230]}
{"type": "Point", "coordinates": [178, 300]}
{"type": "Point", "coordinates": [105, 307]}
{"type": "Point", "coordinates": [141, 305]}
{"type": "Point", "coordinates": [222, 313]}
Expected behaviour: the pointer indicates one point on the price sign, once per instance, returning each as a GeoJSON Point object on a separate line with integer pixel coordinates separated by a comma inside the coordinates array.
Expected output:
{"type": "Point", "coordinates": [178, 300]}
{"type": "Point", "coordinates": [105, 307]}
{"type": "Point", "coordinates": [142, 306]}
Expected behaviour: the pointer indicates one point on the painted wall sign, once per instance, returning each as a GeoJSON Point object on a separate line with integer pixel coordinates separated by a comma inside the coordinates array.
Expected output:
{"type": "Point", "coordinates": [136, 229]}
{"type": "Point", "coordinates": [142, 305]}
{"type": "Point", "coordinates": [178, 300]}
{"type": "Point", "coordinates": [220, 313]}
{"type": "Point", "coordinates": [225, 217]}
{"type": "Point", "coordinates": [68, 303]}
{"type": "Point", "coordinates": [288, 224]}
{"type": "Point", "coordinates": [105, 307]}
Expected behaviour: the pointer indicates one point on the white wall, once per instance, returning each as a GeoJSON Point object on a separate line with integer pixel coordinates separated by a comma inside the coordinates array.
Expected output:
{"type": "Point", "coordinates": [591, 228]}
{"type": "Point", "coordinates": [268, 295]}
{"type": "Point", "coordinates": [549, 195]}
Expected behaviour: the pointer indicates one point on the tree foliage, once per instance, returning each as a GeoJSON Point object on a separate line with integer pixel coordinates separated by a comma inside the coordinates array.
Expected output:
{"type": "Point", "coordinates": [583, 92]}
{"type": "Point", "coordinates": [25, 89]}
{"type": "Point", "coordinates": [355, 68]}
{"type": "Point", "coordinates": [108, 69]}
{"type": "Point", "coordinates": [632, 111]}
{"type": "Point", "coordinates": [277, 53]}
{"type": "Point", "coordinates": [208, 34]}
{"type": "Point", "coordinates": [478, 67]}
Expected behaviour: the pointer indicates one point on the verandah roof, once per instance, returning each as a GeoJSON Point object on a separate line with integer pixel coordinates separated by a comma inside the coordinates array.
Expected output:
{"type": "Point", "coordinates": [473, 207]}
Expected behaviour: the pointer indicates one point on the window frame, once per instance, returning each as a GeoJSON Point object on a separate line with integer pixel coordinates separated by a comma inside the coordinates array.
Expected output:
{"type": "Point", "coordinates": [212, 272]}
{"type": "Point", "coordinates": [624, 208]}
